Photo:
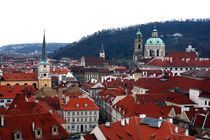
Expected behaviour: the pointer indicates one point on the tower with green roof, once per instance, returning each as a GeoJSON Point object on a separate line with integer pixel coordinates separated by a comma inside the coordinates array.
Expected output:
{"type": "Point", "coordinates": [44, 79]}
{"type": "Point", "coordinates": [154, 46]}
{"type": "Point", "coordinates": [102, 52]}
{"type": "Point", "coordinates": [138, 48]}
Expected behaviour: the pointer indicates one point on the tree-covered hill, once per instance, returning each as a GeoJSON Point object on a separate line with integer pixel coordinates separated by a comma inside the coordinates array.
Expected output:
{"type": "Point", "coordinates": [118, 43]}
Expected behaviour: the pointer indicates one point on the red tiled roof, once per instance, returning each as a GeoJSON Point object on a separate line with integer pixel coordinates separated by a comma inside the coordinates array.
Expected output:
{"type": "Point", "coordinates": [136, 131]}
{"type": "Point", "coordinates": [23, 123]}
{"type": "Point", "coordinates": [20, 76]}
{"type": "Point", "coordinates": [94, 61]}
{"type": "Point", "coordinates": [7, 91]}
{"type": "Point", "coordinates": [80, 104]}
{"type": "Point", "coordinates": [129, 108]}
{"type": "Point", "coordinates": [59, 71]}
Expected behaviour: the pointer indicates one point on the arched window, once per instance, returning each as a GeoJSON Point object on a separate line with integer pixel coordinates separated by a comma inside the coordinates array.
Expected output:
{"type": "Point", "coordinates": [34, 85]}
{"type": "Point", "coordinates": [158, 53]}
{"type": "Point", "coordinates": [139, 46]}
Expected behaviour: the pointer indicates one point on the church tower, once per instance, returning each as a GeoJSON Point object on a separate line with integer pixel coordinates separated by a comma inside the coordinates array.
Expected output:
{"type": "Point", "coordinates": [44, 78]}
{"type": "Point", "coordinates": [138, 48]}
{"type": "Point", "coordinates": [102, 52]}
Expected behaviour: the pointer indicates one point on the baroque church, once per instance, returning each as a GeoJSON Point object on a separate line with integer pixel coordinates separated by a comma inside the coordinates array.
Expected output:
{"type": "Point", "coordinates": [154, 47]}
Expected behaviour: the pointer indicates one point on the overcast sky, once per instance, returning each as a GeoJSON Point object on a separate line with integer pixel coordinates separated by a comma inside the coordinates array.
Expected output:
{"type": "Point", "coordinates": [23, 21]}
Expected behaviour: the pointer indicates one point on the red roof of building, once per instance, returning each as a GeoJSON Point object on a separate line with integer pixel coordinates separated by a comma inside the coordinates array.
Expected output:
{"type": "Point", "coordinates": [8, 92]}
{"type": "Point", "coordinates": [23, 122]}
{"type": "Point", "coordinates": [59, 71]}
{"type": "Point", "coordinates": [20, 76]}
{"type": "Point", "coordinates": [136, 131]}
{"type": "Point", "coordinates": [80, 104]}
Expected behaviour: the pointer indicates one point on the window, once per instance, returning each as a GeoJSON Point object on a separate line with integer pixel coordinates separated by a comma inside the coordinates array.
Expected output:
{"type": "Point", "coordinates": [180, 68]}
{"type": "Point", "coordinates": [90, 112]}
{"type": "Point", "coordinates": [68, 113]}
{"type": "Point", "coordinates": [90, 126]}
{"type": "Point", "coordinates": [44, 66]}
{"type": "Point", "coordinates": [77, 113]}
{"type": "Point", "coordinates": [72, 127]}
{"type": "Point", "coordinates": [68, 120]}
{"type": "Point", "coordinates": [205, 102]}
{"type": "Point", "coordinates": [175, 68]}
{"type": "Point", "coordinates": [68, 127]}
{"type": "Point", "coordinates": [90, 119]}
{"type": "Point", "coordinates": [81, 119]}
{"type": "Point", "coordinates": [73, 120]}
{"type": "Point", "coordinates": [44, 74]}
{"type": "Point", "coordinates": [78, 119]}
{"type": "Point", "coordinates": [81, 113]}
{"type": "Point", "coordinates": [38, 133]}
{"type": "Point", "coordinates": [85, 119]}
{"type": "Point", "coordinates": [95, 119]}
{"type": "Point", "coordinates": [18, 135]}
{"type": "Point", "coordinates": [85, 112]}
{"type": "Point", "coordinates": [209, 103]}
{"type": "Point", "coordinates": [72, 113]}
{"type": "Point", "coordinates": [8, 101]}
{"type": "Point", "coordinates": [54, 130]}
{"type": "Point", "coordinates": [2, 101]}
{"type": "Point", "coordinates": [95, 112]}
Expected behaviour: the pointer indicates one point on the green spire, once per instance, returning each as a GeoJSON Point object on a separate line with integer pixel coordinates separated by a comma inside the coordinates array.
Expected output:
{"type": "Point", "coordinates": [102, 48]}
{"type": "Point", "coordinates": [154, 32]}
{"type": "Point", "coordinates": [138, 34]}
{"type": "Point", "coordinates": [44, 54]}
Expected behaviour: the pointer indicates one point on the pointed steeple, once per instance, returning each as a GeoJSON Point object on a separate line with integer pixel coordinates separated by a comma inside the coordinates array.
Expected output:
{"type": "Point", "coordinates": [102, 48]}
{"type": "Point", "coordinates": [44, 54]}
{"type": "Point", "coordinates": [138, 34]}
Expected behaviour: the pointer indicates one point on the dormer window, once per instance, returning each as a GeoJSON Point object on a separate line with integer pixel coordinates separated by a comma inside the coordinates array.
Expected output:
{"type": "Point", "coordinates": [18, 135]}
{"type": "Point", "coordinates": [77, 105]}
{"type": "Point", "coordinates": [54, 130]}
{"type": "Point", "coordinates": [44, 66]}
{"type": "Point", "coordinates": [85, 105]}
{"type": "Point", "coordinates": [38, 133]}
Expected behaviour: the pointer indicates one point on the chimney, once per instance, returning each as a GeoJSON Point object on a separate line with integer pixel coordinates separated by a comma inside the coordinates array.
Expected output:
{"type": "Point", "coordinates": [171, 59]}
{"type": "Point", "coordinates": [142, 115]}
{"type": "Point", "coordinates": [33, 126]}
{"type": "Point", "coordinates": [123, 122]}
{"type": "Point", "coordinates": [176, 129]}
{"type": "Point", "coordinates": [2, 120]}
{"type": "Point", "coordinates": [170, 120]}
{"type": "Point", "coordinates": [187, 132]}
{"type": "Point", "coordinates": [107, 124]}
{"type": "Point", "coordinates": [26, 98]}
{"type": "Point", "coordinates": [159, 123]}
{"type": "Point", "coordinates": [127, 121]}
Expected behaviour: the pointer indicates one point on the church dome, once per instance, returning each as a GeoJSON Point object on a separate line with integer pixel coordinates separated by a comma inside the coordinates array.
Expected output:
{"type": "Point", "coordinates": [154, 41]}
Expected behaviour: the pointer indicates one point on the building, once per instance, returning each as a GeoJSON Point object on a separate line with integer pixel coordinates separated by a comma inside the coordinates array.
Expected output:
{"type": "Point", "coordinates": [81, 114]}
{"type": "Point", "coordinates": [137, 128]}
{"type": "Point", "coordinates": [154, 46]}
{"type": "Point", "coordinates": [44, 77]}
{"type": "Point", "coordinates": [102, 52]}
{"type": "Point", "coordinates": [38, 80]}
{"type": "Point", "coordinates": [138, 48]}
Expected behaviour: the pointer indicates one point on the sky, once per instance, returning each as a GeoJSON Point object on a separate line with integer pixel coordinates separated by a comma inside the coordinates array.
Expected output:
{"type": "Point", "coordinates": [23, 21]}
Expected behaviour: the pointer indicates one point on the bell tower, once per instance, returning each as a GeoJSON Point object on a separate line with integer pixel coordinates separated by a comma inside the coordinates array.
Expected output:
{"type": "Point", "coordinates": [102, 52]}
{"type": "Point", "coordinates": [138, 48]}
{"type": "Point", "coordinates": [44, 78]}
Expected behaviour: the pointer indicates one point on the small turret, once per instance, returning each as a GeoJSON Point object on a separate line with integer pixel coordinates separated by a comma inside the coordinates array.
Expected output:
{"type": "Point", "coordinates": [102, 52]}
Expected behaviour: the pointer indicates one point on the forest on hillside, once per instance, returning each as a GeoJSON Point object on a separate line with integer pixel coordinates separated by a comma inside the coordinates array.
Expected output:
{"type": "Point", "coordinates": [118, 43]}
